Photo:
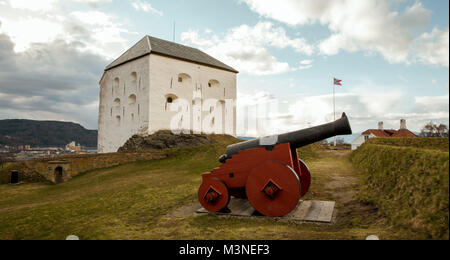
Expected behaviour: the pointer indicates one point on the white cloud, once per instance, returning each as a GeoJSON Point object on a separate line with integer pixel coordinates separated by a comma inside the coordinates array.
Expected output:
{"type": "Point", "coordinates": [93, 3]}
{"type": "Point", "coordinates": [368, 25]}
{"type": "Point", "coordinates": [436, 104]}
{"type": "Point", "coordinates": [25, 32]}
{"type": "Point", "coordinates": [246, 48]}
{"type": "Point", "coordinates": [49, 81]}
{"type": "Point", "coordinates": [93, 31]}
{"type": "Point", "coordinates": [103, 31]}
{"type": "Point", "coordinates": [364, 108]}
{"type": "Point", "coordinates": [144, 6]}
{"type": "Point", "coordinates": [41, 5]}
{"type": "Point", "coordinates": [433, 48]}
{"type": "Point", "coordinates": [306, 64]}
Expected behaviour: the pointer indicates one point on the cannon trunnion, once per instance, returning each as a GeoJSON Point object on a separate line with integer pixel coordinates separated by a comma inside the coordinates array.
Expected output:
{"type": "Point", "coordinates": [271, 177]}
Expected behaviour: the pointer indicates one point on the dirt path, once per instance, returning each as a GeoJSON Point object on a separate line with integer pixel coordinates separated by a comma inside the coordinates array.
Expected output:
{"type": "Point", "coordinates": [337, 180]}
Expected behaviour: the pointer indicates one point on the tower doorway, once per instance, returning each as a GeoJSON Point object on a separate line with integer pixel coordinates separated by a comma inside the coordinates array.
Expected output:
{"type": "Point", "coordinates": [59, 175]}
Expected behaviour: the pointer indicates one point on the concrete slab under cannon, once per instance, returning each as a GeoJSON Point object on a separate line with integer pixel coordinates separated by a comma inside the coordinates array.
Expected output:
{"type": "Point", "coordinates": [307, 211]}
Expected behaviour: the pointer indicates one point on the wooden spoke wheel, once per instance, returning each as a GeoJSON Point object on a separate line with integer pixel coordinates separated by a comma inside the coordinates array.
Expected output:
{"type": "Point", "coordinates": [273, 189]}
{"type": "Point", "coordinates": [213, 195]}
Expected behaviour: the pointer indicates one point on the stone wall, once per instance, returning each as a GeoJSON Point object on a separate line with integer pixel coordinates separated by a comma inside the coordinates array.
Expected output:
{"type": "Point", "coordinates": [124, 104]}
{"type": "Point", "coordinates": [197, 90]}
{"type": "Point", "coordinates": [64, 168]}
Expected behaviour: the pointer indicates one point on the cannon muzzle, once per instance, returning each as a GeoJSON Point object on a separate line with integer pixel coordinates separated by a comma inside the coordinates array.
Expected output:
{"type": "Point", "coordinates": [296, 139]}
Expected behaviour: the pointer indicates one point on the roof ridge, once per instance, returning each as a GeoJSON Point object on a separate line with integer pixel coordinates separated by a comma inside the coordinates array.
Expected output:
{"type": "Point", "coordinates": [125, 52]}
{"type": "Point", "coordinates": [149, 36]}
{"type": "Point", "coordinates": [169, 49]}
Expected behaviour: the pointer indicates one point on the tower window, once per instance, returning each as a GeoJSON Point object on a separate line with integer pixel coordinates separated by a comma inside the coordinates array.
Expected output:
{"type": "Point", "coordinates": [116, 84]}
{"type": "Point", "coordinates": [185, 80]}
{"type": "Point", "coordinates": [213, 83]}
{"type": "Point", "coordinates": [169, 100]}
{"type": "Point", "coordinates": [132, 99]}
{"type": "Point", "coordinates": [117, 102]}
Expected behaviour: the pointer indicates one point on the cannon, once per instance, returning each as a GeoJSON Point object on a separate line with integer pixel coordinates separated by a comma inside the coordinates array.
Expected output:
{"type": "Point", "coordinates": [267, 171]}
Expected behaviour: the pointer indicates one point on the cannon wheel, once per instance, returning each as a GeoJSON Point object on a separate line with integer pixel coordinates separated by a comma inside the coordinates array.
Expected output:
{"type": "Point", "coordinates": [305, 177]}
{"type": "Point", "coordinates": [213, 194]}
{"type": "Point", "coordinates": [273, 189]}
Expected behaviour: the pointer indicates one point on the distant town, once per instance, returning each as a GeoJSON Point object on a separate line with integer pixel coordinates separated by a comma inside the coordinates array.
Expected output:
{"type": "Point", "coordinates": [27, 152]}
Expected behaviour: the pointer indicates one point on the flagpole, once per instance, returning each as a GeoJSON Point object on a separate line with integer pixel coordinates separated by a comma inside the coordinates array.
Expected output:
{"type": "Point", "coordinates": [334, 106]}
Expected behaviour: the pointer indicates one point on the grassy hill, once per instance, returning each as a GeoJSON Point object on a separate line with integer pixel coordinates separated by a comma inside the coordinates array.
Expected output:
{"type": "Point", "coordinates": [408, 180]}
{"type": "Point", "coordinates": [137, 201]}
{"type": "Point", "coordinates": [440, 144]}
{"type": "Point", "coordinates": [16, 132]}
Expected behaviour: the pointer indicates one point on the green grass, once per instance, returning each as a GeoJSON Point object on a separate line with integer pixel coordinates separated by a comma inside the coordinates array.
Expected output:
{"type": "Point", "coordinates": [409, 185]}
{"type": "Point", "coordinates": [135, 201]}
{"type": "Point", "coordinates": [440, 144]}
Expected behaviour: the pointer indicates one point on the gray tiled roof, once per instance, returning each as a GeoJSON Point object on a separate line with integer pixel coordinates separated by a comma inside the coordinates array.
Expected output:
{"type": "Point", "coordinates": [154, 45]}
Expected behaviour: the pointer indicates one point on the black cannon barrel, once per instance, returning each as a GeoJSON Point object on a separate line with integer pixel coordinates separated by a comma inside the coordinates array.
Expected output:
{"type": "Point", "coordinates": [298, 139]}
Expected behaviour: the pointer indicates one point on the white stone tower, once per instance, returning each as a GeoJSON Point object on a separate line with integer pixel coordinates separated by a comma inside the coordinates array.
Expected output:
{"type": "Point", "coordinates": [138, 89]}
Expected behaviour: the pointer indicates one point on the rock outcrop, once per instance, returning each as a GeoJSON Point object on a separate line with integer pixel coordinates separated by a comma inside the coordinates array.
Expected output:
{"type": "Point", "coordinates": [163, 140]}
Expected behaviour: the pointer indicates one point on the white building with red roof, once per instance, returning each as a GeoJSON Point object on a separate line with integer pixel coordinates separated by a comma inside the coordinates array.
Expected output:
{"type": "Point", "coordinates": [403, 132]}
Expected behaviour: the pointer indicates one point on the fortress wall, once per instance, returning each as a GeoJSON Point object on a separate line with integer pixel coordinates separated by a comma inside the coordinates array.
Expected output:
{"type": "Point", "coordinates": [72, 165]}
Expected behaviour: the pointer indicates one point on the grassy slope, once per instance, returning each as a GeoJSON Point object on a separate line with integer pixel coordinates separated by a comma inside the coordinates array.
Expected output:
{"type": "Point", "coordinates": [408, 184]}
{"type": "Point", "coordinates": [134, 201]}
{"type": "Point", "coordinates": [440, 144]}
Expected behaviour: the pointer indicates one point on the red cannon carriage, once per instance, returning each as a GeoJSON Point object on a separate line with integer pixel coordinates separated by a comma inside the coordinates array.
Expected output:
{"type": "Point", "coordinates": [266, 171]}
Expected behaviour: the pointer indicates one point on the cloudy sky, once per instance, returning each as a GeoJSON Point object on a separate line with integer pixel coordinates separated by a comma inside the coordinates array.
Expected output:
{"type": "Point", "coordinates": [393, 56]}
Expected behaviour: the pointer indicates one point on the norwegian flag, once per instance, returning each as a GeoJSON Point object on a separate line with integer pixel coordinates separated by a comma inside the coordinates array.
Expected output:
{"type": "Point", "coordinates": [337, 82]}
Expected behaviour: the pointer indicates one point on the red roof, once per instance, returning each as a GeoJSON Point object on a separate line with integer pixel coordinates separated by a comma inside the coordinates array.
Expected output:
{"type": "Point", "coordinates": [377, 133]}
{"type": "Point", "coordinates": [404, 133]}
{"type": "Point", "coordinates": [390, 133]}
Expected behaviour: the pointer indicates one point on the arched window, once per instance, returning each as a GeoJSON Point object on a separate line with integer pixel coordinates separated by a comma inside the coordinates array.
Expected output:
{"type": "Point", "coordinates": [184, 80]}
{"type": "Point", "coordinates": [213, 83]}
{"type": "Point", "coordinates": [116, 85]}
{"type": "Point", "coordinates": [118, 120]}
{"type": "Point", "coordinates": [133, 79]}
{"type": "Point", "coordinates": [132, 99]}
{"type": "Point", "coordinates": [117, 102]}
{"type": "Point", "coordinates": [169, 100]}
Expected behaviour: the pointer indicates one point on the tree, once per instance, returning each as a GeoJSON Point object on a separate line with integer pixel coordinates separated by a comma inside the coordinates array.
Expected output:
{"type": "Point", "coordinates": [434, 130]}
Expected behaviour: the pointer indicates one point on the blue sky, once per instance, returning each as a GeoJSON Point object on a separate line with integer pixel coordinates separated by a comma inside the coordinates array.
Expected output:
{"type": "Point", "coordinates": [391, 55]}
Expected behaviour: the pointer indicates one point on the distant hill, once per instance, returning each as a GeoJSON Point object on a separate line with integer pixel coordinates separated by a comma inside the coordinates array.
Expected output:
{"type": "Point", "coordinates": [16, 132]}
